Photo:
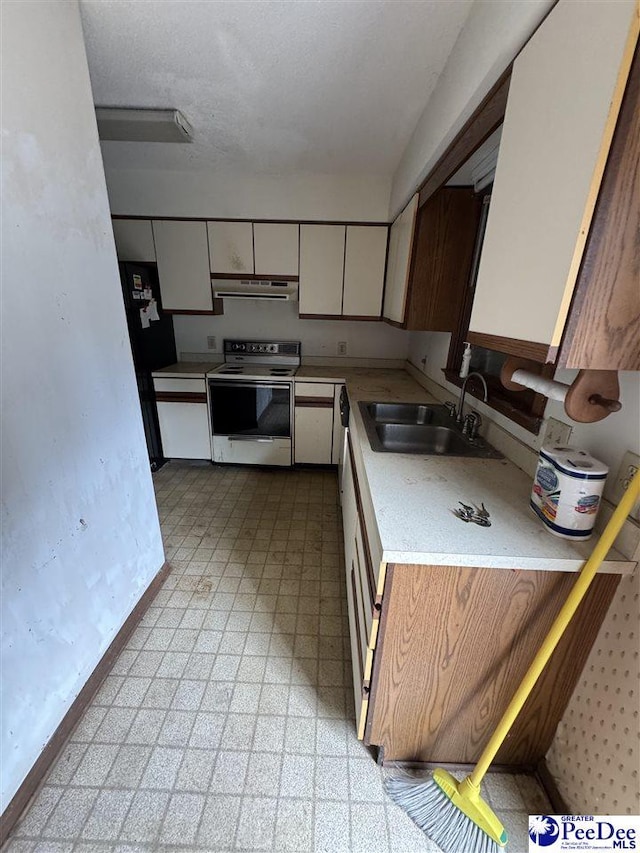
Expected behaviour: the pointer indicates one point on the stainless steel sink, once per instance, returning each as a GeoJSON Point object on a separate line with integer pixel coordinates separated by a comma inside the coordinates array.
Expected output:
{"type": "Point", "coordinates": [419, 428]}
{"type": "Point", "coordinates": [401, 413]}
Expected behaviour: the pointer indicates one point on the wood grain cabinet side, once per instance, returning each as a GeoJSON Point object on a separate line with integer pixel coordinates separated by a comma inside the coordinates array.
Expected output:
{"type": "Point", "coordinates": [446, 228]}
{"type": "Point", "coordinates": [454, 643]}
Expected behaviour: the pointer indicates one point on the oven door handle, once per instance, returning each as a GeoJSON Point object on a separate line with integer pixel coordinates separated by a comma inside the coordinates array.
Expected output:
{"type": "Point", "coordinates": [248, 384]}
{"type": "Point", "coordinates": [249, 438]}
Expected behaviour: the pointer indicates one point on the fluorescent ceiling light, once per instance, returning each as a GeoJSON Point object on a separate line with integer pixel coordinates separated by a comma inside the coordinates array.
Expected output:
{"type": "Point", "coordinates": [139, 125]}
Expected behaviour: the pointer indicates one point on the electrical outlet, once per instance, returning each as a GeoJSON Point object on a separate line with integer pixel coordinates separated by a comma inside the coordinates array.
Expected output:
{"type": "Point", "coordinates": [342, 347]}
{"type": "Point", "coordinates": [211, 341]}
{"type": "Point", "coordinates": [628, 467]}
{"type": "Point", "coordinates": [558, 433]}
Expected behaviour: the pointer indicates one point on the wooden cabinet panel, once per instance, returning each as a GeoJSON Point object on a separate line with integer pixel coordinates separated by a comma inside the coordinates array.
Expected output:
{"type": "Point", "coordinates": [442, 255]}
{"type": "Point", "coordinates": [364, 265]}
{"type": "Point", "coordinates": [564, 96]}
{"type": "Point", "coordinates": [276, 249]}
{"type": "Point", "coordinates": [134, 240]}
{"type": "Point", "coordinates": [184, 428]}
{"type": "Point", "coordinates": [455, 644]}
{"type": "Point", "coordinates": [398, 263]}
{"type": "Point", "coordinates": [183, 265]}
{"type": "Point", "coordinates": [313, 434]}
{"type": "Point", "coordinates": [230, 247]}
{"type": "Point", "coordinates": [321, 269]}
{"type": "Point", "coordinates": [603, 329]}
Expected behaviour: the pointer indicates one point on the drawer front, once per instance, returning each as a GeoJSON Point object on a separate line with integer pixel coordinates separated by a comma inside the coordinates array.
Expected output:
{"type": "Point", "coordinates": [315, 389]}
{"type": "Point", "coordinates": [184, 386]}
{"type": "Point", "coordinates": [276, 451]}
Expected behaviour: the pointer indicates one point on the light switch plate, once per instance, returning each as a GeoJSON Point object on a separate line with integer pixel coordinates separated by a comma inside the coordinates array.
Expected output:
{"type": "Point", "coordinates": [211, 341]}
{"type": "Point", "coordinates": [628, 467]}
{"type": "Point", "coordinates": [558, 434]}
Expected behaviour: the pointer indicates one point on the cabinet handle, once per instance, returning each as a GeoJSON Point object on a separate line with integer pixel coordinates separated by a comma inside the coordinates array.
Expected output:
{"type": "Point", "coordinates": [260, 438]}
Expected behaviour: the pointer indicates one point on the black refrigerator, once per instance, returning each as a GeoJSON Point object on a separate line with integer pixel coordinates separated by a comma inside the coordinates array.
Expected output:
{"type": "Point", "coordinates": [153, 344]}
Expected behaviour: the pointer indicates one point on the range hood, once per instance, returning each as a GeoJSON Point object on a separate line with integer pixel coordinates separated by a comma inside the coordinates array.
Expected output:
{"type": "Point", "coordinates": [272, 289]}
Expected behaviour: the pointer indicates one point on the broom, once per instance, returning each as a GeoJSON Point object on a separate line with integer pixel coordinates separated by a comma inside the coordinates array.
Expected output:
{"type": "Point", "coordinates": [452, 813]}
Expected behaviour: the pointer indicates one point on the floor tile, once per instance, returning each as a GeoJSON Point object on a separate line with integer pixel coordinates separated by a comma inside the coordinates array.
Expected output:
{"type": "Point", "coordinates": [227, 722]}
{"type": "Point", "coordinates": [332, 827]}
{"type": "Point", "coordinates": [256, 825]}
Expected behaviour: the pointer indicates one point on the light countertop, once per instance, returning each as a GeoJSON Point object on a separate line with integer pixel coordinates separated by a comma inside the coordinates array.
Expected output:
{"type": "Point", "coordinates": [413, 498]}
{"type": "Point", "coordinates": [186, 370]}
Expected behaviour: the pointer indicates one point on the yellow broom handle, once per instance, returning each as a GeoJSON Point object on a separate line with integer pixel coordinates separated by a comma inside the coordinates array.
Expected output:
{"type": "Point", "coordinates": [587, 573]}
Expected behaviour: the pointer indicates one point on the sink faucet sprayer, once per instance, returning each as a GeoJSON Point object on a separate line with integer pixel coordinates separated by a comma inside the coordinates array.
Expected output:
{"type": "Point", "coordinates": [463, 391]}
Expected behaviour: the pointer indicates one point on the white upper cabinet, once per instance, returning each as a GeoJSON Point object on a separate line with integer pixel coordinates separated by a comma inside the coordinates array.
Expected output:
{"type": "Point", "coordinates": [275, 248]}
{"type": "Point", "coordinates": [134, 240]}
{"type": "Point", "coordinates": [183, 265]}
{"type": "Point", "coordinates": [399, 262]}
{"type": "Point", "coordinates": [231, 247]}
{"type": "Point", "coordinates": [321, 268]}
{"type": "Point", "coordinates": [563, 102]}
{"type": "Point", "coordinates": [364, 260]}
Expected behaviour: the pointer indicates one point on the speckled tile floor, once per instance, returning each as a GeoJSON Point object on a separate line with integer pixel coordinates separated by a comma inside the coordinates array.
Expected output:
{"type": "Point", "coordinates": [227, 722]}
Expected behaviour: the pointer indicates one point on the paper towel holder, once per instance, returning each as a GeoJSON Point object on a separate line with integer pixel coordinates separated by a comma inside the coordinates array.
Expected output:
{"type": "Point", "coordinates": [591, 397]}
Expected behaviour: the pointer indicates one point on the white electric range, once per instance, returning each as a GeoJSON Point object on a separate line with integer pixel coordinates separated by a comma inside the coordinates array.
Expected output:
{"type": "Point", "coordinates": [251, 402]}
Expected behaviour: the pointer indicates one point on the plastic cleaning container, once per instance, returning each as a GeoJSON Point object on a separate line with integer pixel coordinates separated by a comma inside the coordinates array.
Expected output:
{"type": "Point", "coordinates": [567, 489]}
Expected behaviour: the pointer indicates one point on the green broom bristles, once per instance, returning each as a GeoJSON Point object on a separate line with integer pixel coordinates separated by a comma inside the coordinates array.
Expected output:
{"type": "Point", "coordinates": [429, 808]}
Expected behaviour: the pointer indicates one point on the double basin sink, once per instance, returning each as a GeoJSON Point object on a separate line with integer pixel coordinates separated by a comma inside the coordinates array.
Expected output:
{"type": "Point", "coordinates": [420, 428]}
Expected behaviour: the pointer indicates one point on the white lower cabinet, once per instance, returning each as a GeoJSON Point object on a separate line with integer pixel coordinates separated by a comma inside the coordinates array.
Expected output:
{"type": "Point", "coordinates": [183, 415]}
{"type": "Point", "coordinates": [315, 414]}
{"type": "Point", "coordinates": [184, 428]}
{"type": "Point", "coordinates": [314, 434]}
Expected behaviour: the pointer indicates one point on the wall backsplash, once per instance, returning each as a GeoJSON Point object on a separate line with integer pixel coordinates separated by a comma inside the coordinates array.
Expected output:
{"type": "Point", "coordinates": [266, 320]}
{"type": "Point", "coordinates": [607, 440]}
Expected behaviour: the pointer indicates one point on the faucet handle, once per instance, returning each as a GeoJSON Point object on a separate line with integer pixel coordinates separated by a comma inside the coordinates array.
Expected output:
{"type": "Point", "coordinates": [451, 408]}
{"type": "Point", "coordinates": [472, 424]}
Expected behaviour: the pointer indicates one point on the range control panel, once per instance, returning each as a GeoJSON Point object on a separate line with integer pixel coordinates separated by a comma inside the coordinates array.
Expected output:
{"type": "Point", "coordinates": [262, 347]}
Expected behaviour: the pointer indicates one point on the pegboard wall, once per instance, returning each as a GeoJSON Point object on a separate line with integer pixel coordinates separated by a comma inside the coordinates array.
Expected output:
{"type": "Point", "coordinates": [595, 755]}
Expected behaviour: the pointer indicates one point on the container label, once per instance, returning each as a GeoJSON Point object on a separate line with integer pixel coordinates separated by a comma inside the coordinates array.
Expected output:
{"type": "Point", "coordinates": [588, 505]}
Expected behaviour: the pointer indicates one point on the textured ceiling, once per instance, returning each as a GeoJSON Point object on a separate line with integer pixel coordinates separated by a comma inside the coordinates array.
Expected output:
{"type": "Point", "coordinates": [335, 86]}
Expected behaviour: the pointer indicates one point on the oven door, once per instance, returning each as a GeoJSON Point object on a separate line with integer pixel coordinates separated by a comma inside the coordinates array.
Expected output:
{"type": "Point", "coordinates": [251, 421]}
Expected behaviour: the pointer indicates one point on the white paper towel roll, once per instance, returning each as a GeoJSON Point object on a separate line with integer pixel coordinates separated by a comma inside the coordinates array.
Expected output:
{"type": "Point", "coordinates": [551, 389]}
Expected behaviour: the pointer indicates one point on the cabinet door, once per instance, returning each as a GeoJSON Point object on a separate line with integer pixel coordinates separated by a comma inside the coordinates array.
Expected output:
{"type": "Point", "coordinates": [134, 240]}
{"type": "Point", "coordinates": [313, 435]}
{"type": "Point", "coordinates": [276, 249]}
{"type": "Point", "coordinates": [338, 429]}
{"type": "Point", "coordinates": [230, 247]}
{"type": "Point", "coordinates": [561, 111]}
{"type": "Point", "coordinates": [400, 248]}
{"type": "Point", "coordinates": [364, 260]}
{"type": "Point", "coordinates": [183, 265]}
{"type": "Point", "coordinates": [184, 428]}
{"type": "Point", "coordinates": [321, 269]}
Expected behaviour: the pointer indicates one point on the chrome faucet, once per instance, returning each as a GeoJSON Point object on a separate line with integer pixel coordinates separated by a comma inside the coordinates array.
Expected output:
{"type": "Point", "coordinates": [463, 391]}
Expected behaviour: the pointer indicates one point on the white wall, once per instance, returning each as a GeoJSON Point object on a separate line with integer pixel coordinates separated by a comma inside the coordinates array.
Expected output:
{"type": "Point", "coordinates": [280, 322]}
{"type": "Point", "coordinates": [80, 533]}
{"type": "Point", "coordinates": [150, 192]}
{"type": "Point", "coordinates": [492, 35]}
